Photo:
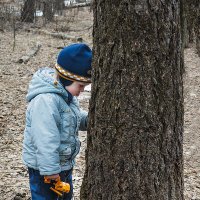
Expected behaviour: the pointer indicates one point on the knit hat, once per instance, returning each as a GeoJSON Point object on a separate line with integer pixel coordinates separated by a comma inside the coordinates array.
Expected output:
{"type": "Point", "coordinates": [74, 63]}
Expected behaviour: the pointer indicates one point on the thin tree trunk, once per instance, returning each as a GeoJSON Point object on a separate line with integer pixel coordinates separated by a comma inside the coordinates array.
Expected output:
{"type": "Point", "coordinates": [135, 133]}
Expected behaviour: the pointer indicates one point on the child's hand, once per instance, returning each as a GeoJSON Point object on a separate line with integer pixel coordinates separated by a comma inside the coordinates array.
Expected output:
{"type": "Point", "coordinates": [52, 177]}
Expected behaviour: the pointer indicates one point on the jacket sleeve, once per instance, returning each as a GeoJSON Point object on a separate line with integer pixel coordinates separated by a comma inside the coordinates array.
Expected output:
{"type": "Point", "coordinates": [45, 119]}
{"type": "Point", "coordinates": [84, 120]}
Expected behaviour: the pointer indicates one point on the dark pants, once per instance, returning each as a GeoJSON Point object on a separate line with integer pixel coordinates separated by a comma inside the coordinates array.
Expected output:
{"type": "Point", "coordinates": [42, 191]}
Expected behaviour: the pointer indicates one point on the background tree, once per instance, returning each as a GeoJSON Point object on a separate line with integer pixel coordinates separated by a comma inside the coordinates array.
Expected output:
{"type": "Point", "coordinates": [59, 5]}
{"type": "Point", "coordinates": [28, 10]}
{"type": "Point", "coordinates": [136, 110]}
{"type": "Point", "coordinates": [192, 23]}
{"type": "Point", "coordinates": [51, 7]}
{"type": "Point", "coordinates": [197, 27]}
{"type": "Point", "coordinates": [198, 34]}
{"type": "Point", "coordinates": [192, 12]}
{"type": "Point", "coordinates": [48, 10]}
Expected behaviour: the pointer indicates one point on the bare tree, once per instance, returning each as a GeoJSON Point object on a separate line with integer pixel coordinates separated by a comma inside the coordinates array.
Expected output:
{"type": "Point", "coordinates": [197, 27]}
{"type": "Point", "coordinates": [48, 10]}
{"type": "Point", "coordinates": [51, 7]}
{"type": "Point", "coordinates": [192, 25]}
{"type": "Point", "coordinates": [28, 11]}
{"type": "Point", "coordinates": [135, 130]}
{"type": "Point", "coordinates": [59, 5]}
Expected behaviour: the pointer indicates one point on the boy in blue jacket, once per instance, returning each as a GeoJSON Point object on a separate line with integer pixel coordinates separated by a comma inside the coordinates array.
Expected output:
{"type": "Point", "coordinates": [53, 118]}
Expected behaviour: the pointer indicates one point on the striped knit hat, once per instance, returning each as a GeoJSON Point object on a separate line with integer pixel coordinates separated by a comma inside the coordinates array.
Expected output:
{"type": "Point", "coordinates": [74, 63]}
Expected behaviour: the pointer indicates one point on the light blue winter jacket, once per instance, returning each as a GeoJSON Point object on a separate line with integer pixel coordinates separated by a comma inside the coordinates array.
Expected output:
{"type": "Point", "coordinates": [51, 133]}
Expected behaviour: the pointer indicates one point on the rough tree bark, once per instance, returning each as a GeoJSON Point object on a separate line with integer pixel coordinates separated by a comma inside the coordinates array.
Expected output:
{"type": "Point", "coordinates": [135, 130]}
{"type": "Point", "coordinates": [28, 11]}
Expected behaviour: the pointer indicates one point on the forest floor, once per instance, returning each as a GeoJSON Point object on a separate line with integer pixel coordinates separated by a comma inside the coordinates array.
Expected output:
{"type": "Point", "coordinates": [14, 79]}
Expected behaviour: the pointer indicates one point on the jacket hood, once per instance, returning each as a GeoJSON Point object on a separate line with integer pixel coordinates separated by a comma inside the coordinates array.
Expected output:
{"type": "Point", "coordinates": [43, 82]}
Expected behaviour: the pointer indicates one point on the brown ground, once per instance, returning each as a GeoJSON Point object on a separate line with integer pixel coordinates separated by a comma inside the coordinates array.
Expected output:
{"type": "Point", "coordinates": [13, 87]}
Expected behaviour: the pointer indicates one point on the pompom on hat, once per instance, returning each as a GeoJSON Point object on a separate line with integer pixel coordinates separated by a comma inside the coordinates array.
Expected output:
{"type": "Point", "coordinates": [74, 63]}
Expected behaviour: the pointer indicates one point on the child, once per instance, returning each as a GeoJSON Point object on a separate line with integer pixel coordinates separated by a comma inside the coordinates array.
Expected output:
{"type": "Point", "coordinates": [53, 118]}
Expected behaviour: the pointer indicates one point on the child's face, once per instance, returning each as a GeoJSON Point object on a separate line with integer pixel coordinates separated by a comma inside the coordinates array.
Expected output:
{"type": "Point", "coordinates": [76, 88]}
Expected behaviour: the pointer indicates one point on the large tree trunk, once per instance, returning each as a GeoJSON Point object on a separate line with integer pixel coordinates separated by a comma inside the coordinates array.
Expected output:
{"type": "Point", "coordinates": [135, 131]}
{"type": "Point", "coordinates": [28, 11]}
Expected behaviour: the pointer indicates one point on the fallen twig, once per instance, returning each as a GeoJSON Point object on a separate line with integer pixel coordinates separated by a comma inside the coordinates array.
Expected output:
{"type": "Point", "coordinates": [30, 54]}
{"type": "Point", "coordinates": [55, 35]}
{"type": "Point", "coordinates": [78, 5]}
{"type": "Point", "coordinates": [79, 30]}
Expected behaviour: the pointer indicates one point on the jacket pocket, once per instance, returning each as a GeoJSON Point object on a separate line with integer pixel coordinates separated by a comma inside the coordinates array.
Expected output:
{"type": "Point", "coordinates": [65, 155]}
